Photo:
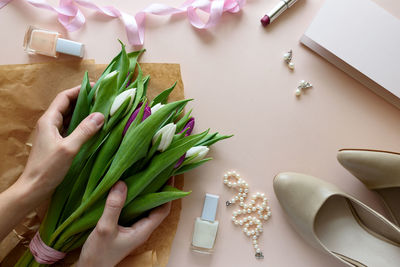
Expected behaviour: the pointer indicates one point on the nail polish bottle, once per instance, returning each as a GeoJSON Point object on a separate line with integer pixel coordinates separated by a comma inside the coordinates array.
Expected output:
{"type": "Point", "coordinates": [49, 43]}
{"type": "Point", "coordinates": [206, 227]}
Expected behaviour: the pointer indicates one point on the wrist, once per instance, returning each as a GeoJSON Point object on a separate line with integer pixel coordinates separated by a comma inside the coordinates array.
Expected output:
{"type": "Point", "coordinates": [29, 190]}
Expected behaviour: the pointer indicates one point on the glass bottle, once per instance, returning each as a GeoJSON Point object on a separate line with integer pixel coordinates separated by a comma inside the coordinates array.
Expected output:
{"type": "Point", "coordinates": [49, 43]}
{"type": "Point", "coordinates": [206, 227]}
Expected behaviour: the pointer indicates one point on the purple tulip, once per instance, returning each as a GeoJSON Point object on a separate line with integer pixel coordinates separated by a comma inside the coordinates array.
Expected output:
{"type": "Point", "coordinates": [129, 82]}
{"type": "Point", "coordinates": [147, 113]}
{"type": "Point", "coordinates": [189, 125]}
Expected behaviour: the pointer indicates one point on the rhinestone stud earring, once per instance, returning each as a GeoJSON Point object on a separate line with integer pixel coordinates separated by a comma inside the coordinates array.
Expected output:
{"type": "Point", "coordinates": [302, 85]}
{"type": "Point", "coordinates": [288, 59]}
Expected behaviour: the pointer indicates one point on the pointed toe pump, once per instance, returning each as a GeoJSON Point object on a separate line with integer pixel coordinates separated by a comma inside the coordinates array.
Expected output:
{"type": "Point", "coordinates": [379, 171]}
{"type": "Point", "coordinates": [337, 223]}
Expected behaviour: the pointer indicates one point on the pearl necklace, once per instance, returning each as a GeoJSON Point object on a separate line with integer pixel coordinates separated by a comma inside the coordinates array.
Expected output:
{"type": "Point", "coordinates": [258, 207]}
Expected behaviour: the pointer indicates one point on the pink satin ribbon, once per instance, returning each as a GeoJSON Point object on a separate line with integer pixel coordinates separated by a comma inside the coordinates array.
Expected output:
{"type": "Point", "coordinates": [44, 254]}
{"type": "Point", "coordinates": [71, 17]}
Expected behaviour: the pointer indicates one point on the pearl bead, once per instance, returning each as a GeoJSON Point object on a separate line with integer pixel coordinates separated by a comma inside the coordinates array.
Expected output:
{"type": "Point", "coordinates": [286, 56]}
{"type": "Point", "coordinates": [233, 218]}
{"type": "Point", "coordinates": [291, 65]}
{"type": "Point", "coordinates": [246, 190]}
{"type": "Point", "coordinates": [268, 208]}
{"type": "Point", "coordinates": [258, 194]}
{"type": "Point", "coordinates": [298, 92]}
{"type": "Point", "coordinates": [241, 198]}
{"type": "Point", "coordinates": [258, 250]}
{"type": "Point", "coordinates": [246, 225]}
{"type": "Point", "coordinates": [255, 238]}
{"type": "Point", "coordinates": [249, 218]}
{"type": "Point", "coordinates": [241, 204]}
{"type": "Point", "coordinates": [252, 232]}
{"type": "Point", "coordinates": [248, 210]}
{"type": "Point", "coordinates": [250, 223]}
{"type": "Point", "coordinates": [255, 242]}
{"type": "Point", "coordinates": [229, 173]}
{"type": "Point", "coordinates": [229, 184]}
{"type": "Point", "coordinates": [256, 246]}
{"type": "Point", "coordinates": [253, 202]}
{"type": "Point", "coordinates": [245, 230]}
{"type": "Point", "coordinates": [240, 189]}
{"type": "Point", "coordinates": [248, 234]}
{"type": "Point", "coordinates": [269, 213]}
{"type": "Point", "coordinates": [233, 200]}
{"type": "Point", "coordinates": [245, 219]}
{"type": "Point", "coordinates": [254, 209]}
{"type": "Point", "coordinates": [236, 222]}
{"type": "Point", "coordinates": [225, 181]}
{"type": "Point", "coordinates": [241, 222]}
{"type": "Point", "coordinates": [236, 198]}
{"type": "Point", "coordinates": [225, 176]}
{"type": "Point", "coordinates": [234, 184]}
{"type": "Point", "coordinates": [262, 195]}
{"type": "Point", "coordinates": [265, 217]}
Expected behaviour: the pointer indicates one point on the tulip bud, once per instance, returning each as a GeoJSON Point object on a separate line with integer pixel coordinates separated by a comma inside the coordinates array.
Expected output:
{"type": "Point", "coordinates": [199, 151]}
{"type": "Point", "coordinates": [189, 126]}
{"type": "Point", "coordinates": [156, 107]}
{"type": "Point", "coordinates": [146, 113]}
{"type": "Point", "coordinates": [119, 99]}
{"type": "Point", "coordinates": [167, 133]}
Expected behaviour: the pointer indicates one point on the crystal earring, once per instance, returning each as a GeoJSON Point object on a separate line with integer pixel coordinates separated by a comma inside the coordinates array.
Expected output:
{"type": "Point", "coordinates": [302, 85]}
{"type": "Point", "coordinates": [288, 59]}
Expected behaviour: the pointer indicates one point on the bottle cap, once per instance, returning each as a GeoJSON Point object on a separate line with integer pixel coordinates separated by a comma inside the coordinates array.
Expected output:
{"type": "Point", "coordinates": [70, 47]}
{"type": "Point", "coordinates": [210, 207]}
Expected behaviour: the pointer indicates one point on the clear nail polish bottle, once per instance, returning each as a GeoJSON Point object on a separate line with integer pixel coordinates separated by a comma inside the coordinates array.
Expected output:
{"type": "Point", "coordinates": [206, 227]}
{"type": "Point", "coordinates": [49, 43]}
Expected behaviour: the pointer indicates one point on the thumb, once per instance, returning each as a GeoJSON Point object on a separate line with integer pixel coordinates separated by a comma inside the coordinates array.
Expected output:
{"type": "Point", "coordinates": [85, 130]}
{"type": "Point", "coordinates": [114, 204]}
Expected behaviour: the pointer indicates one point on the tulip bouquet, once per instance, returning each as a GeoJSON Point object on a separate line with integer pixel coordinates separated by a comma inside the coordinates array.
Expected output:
{"type": "Point", "coordinates": [142, 142]}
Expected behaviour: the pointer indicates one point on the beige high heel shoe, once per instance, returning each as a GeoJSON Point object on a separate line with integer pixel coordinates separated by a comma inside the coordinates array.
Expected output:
{"type": "Point", "coordinates": [337, 223]}
{"type": "Point", "coordinates": [379, 171]}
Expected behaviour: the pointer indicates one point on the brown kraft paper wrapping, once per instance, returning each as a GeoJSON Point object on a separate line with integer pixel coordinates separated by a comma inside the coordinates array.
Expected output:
{"type": "Point", "coordinates": [25, 93]}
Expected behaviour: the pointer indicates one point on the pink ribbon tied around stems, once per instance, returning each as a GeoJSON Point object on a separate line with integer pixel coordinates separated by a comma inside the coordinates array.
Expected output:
{"type": "Point", "coordinates": [44, 254]}
{"type": "Point", "coordinates": [71, 17]}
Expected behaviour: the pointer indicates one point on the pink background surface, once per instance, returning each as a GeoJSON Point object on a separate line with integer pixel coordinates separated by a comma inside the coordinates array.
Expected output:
{"type": "Point", "coordinates": [241, 85]}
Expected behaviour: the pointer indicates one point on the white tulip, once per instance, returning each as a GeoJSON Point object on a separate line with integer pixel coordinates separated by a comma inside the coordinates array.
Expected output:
{"type": "Point", "coordinates": [200, 151]}
{"type": "Point", "coordinates": [119, 99]}
{"type": "Point", "coordinates": [156, 107]}
{"type": "Point", "coordinates": [167, 133]}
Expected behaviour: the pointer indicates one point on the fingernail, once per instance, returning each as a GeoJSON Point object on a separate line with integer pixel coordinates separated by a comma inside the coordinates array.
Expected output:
{"type": "Point", "coordinates": [97, 117]}
{"type": "Point", "coordinates": [119, 187]}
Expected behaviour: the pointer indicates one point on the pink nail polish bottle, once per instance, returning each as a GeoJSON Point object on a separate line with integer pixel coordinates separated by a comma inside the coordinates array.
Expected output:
{"type": "Point", "coordinates": [49, 43]}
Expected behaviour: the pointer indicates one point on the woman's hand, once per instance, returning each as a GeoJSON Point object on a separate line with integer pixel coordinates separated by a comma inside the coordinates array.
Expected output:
{"type": "Point", "coordinates": [48, 162]}
{"type": "Point", "coordinates": [109, 243]}
{"type": "Point", "coordinates": [52, 154]}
